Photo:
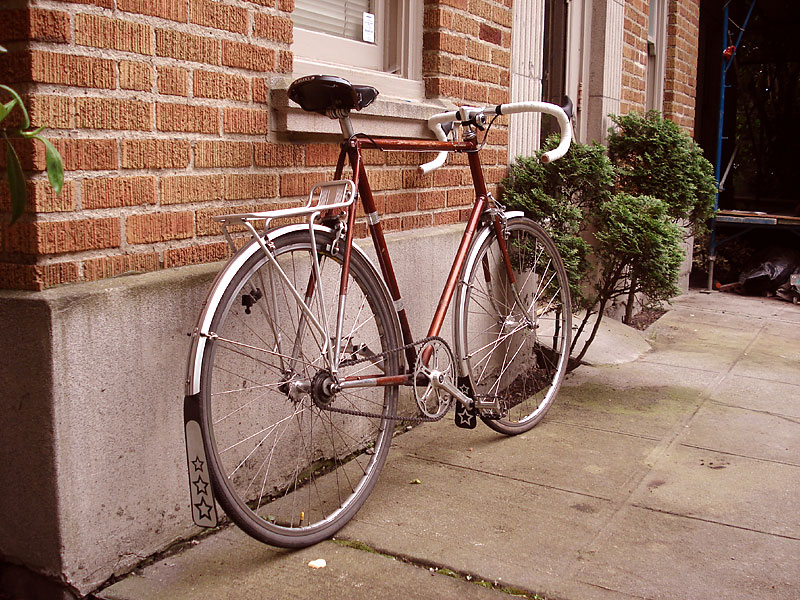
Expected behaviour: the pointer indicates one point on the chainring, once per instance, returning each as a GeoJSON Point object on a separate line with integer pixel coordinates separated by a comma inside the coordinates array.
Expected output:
{"type": "Point", "coordinates": [435, 363]}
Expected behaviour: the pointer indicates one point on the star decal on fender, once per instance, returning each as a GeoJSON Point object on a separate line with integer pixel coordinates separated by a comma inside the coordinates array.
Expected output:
{"type": "Point", "coordinates": [202, 486]}
{"type": "Point", "coordinates": [203, 514]}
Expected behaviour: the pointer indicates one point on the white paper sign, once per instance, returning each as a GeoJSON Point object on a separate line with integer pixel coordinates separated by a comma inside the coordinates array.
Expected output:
{"type": "Point", "coordinates": [368, 30]}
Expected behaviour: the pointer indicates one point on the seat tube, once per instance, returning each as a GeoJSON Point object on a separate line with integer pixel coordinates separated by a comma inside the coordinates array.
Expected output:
{"type": "Point", "coordinates": [381, 250]}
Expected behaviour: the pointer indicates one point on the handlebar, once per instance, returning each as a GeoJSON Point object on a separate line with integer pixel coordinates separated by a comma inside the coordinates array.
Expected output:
{"type": "Point", "coordinates": [468, 113]}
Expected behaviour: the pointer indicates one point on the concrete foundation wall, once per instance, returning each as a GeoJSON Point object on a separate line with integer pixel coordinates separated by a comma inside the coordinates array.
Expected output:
{"type": "Point", "coordinates": [93, 467]}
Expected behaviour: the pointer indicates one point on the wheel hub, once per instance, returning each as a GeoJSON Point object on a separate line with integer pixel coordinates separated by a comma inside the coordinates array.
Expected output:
{"type": "Point", "coordinates": [322, 389]}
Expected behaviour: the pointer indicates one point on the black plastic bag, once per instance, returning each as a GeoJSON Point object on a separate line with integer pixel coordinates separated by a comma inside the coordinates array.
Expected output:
{"type": "Point", "coordinates": [771, 273]}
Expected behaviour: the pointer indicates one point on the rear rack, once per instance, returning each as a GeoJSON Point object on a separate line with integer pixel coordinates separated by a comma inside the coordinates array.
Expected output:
{"type": "Point", "coordinates": [330, 195]}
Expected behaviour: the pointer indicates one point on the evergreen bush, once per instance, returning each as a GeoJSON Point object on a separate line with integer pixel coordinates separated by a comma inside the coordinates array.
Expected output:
{"type": "Point", "coordinates": [616, 215]}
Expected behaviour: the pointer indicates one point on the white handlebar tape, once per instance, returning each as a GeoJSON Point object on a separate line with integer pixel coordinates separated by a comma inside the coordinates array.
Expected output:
{"type": "Point", "coordinates": [436, 121]}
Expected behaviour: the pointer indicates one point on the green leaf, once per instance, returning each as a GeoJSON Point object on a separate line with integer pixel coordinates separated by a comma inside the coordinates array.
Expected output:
{"type": "Point", "coordinates": [16, 182]}
{"type": "Point", "coordinates": [5, 109]}
{"type": "Point", "coordinates": [26, 122]}
{"type": "Point", "coordinates": [31, 134]}
{"type": "Point", "coordinates": [55, 167]}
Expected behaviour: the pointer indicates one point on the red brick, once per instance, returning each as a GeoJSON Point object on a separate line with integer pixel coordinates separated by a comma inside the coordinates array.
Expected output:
{"type": "Point", "coordinates": [155, 154]}
{"type": "Point", "coordinates": [135, 76]}
{"type": "Point", "coordinates": [113, 113]}
{"type": "Point", "coordinates": [184, 46]}
{"type": "Point", "coordinates": [166, 9]}
{"type": "Point", "coordinates": [41, 197]}
{"type": "Point", "coordinates": [113, 192]}
{"type": "Point", "coordinates": [66, 69]}
{"type": "Point", "coordinates": [193, 255]}
{"type": "Point", "coordinates": [210, 84]}
{"type": "Point", "coordinates": [185, 117]}
{"type": "Point", "coordinates": [322, 155]}
{"type": "Point", "coordinates": [218, 15]}
{"type": "Point", "coordinates": [103, 32]}
{"type": "Point", "coordinates": [56, 112]}
{"type": "Point", "coordinates": [191, 188]}
{"type": "Point", "coordinates": [245, 120]}
{"type": "Point", "coordinates": [87, 154]}
{"type": "Point", "coordinates": [285, 61]}
{"type": "Point", "coordinates": [380, 180]}
{"type": "Point", "coordinates": [206, 225]}
{"type": "Point", "coordinates": [56, 237]}
{"type": "Point", "coordinates": [173, 81]}
{"type": "Point", "coordinates": [37, 277]}
{"type": "Point", "coordinates": [402, 202]}
{"type": "Point", "coordinates": [446, 218]}
{"type": "Point", "coordinates": [460, 197]}
{"type": "Point", "coordinates": [159, 227]}
{"type": "Point", "coordinates": [479, 51]}
{"type": "Point", "coordinates": [441, 41]}
{"type": "Point", "coordinates": [431, 200]}
{"type": "Point", "coordinates": [443, 86]}
{"type": "Point", "coordinates": [300, 184]}
{"type": "Point", "coordinates": [222, 154]}
{"type": "Point", "coordinates": [278, 155]}
{"type": "Point", "coordinates": [447, 177]}
{"type": "Point", "coordinates": [250, 185]}
{"type": "Point", "coordinates": [273, 27]}
{"type": "Point", "coordinates": [476, 92]}
{"type": "Point", "coordinates": [247, 56]}
{"type": "Point", "coordinates": [409, 222]}
{"type": "Point", "coordinates": [35, 24]}
{"type": "Point", "coordinates": [119, 264]}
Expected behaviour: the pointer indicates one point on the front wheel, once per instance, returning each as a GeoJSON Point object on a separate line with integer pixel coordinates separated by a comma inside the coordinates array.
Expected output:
{"type": "Point", "coordinates": [513, 327]}
{"type": "Point", "coordinates": [290, 460]}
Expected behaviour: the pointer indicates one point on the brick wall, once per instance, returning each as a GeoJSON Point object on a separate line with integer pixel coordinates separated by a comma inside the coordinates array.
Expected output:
{"type": "Point", "coordinates": [634, 56]}
{"type": "Point", "coordinates": [161, 113]}
{"type": "Point", "coordinates": [680, 80]}
{"type": "Point", "coordinates": [680, 89]}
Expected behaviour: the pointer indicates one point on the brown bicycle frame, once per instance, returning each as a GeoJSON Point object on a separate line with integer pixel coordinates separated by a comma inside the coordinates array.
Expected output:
{"type": "Point", "coordinates": [352, 149]}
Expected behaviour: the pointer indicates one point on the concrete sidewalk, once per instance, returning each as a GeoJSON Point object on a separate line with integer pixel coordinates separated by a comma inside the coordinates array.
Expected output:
{"type": "Point", "coordinates": [675, 475]}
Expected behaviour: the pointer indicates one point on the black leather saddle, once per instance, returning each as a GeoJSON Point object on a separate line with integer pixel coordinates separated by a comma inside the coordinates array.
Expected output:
{"type": "Point", "coordinates": [323, 93]}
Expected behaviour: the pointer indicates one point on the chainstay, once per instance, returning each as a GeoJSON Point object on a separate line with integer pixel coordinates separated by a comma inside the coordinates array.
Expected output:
{"type": "Point", "coordinates": [354, 361]}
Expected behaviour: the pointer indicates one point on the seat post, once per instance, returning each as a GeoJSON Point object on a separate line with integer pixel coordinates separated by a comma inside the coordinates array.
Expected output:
{"type": "Point", "coordinates": [347, 126]}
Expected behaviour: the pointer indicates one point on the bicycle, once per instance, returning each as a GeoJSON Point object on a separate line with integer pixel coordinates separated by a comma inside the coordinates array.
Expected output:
{"type": "Point", "coordinates": [302, 343]}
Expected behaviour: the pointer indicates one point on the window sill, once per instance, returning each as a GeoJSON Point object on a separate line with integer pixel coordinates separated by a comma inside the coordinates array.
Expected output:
{"type": "Point", "coordinates": [390, 115]}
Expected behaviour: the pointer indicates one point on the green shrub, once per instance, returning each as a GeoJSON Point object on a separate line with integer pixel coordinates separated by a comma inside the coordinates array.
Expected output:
{"type": "Point", "coordinates": [655, 157]}
{"type": "Point", "coordinates": [614, 215]}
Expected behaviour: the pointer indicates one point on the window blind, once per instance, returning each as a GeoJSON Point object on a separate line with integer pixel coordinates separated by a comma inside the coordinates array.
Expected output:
{"type": "Point", "coordinates": [342, 18]}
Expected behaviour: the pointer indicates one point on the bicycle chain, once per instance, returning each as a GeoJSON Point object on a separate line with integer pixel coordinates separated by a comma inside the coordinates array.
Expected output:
{"type": "Point", "coordinates": [354, 361]}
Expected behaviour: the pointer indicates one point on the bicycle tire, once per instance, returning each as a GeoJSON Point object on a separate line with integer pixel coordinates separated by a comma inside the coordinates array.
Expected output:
{"type": "Point", "coordinates": [505, 354]}
{"type": "Point", "coordinates": [288, 471]}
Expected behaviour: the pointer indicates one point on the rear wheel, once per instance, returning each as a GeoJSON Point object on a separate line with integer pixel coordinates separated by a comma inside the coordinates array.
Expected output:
{"type": "Point", "coordinates": [513, 333]}
{"type": "Point", "coordinates": [292, 460]}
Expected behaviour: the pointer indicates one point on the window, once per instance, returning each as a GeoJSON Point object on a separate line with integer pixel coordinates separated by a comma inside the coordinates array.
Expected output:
{"type": "Point", "coordinates": [351, 30]}
{"type": "Point", "coordinates": [375, 42]}
{"type": "Point", "coordinates": [656, 55]}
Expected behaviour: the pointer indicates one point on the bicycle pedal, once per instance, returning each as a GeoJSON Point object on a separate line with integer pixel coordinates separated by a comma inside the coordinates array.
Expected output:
{"type": "Point", "coordinates": [466, 418]}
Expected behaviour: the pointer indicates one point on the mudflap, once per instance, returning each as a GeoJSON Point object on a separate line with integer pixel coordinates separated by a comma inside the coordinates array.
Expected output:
{"type": "Point", "coordinates": [466, 418]}
{"type": "Point", "coordinates": [204, 509]}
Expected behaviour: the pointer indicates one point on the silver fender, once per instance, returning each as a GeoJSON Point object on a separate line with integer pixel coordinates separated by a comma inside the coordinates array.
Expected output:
{"type": "Point", "coordinates": [461, 297]}
{"type": "Point", "coordinates": [224, 277]}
